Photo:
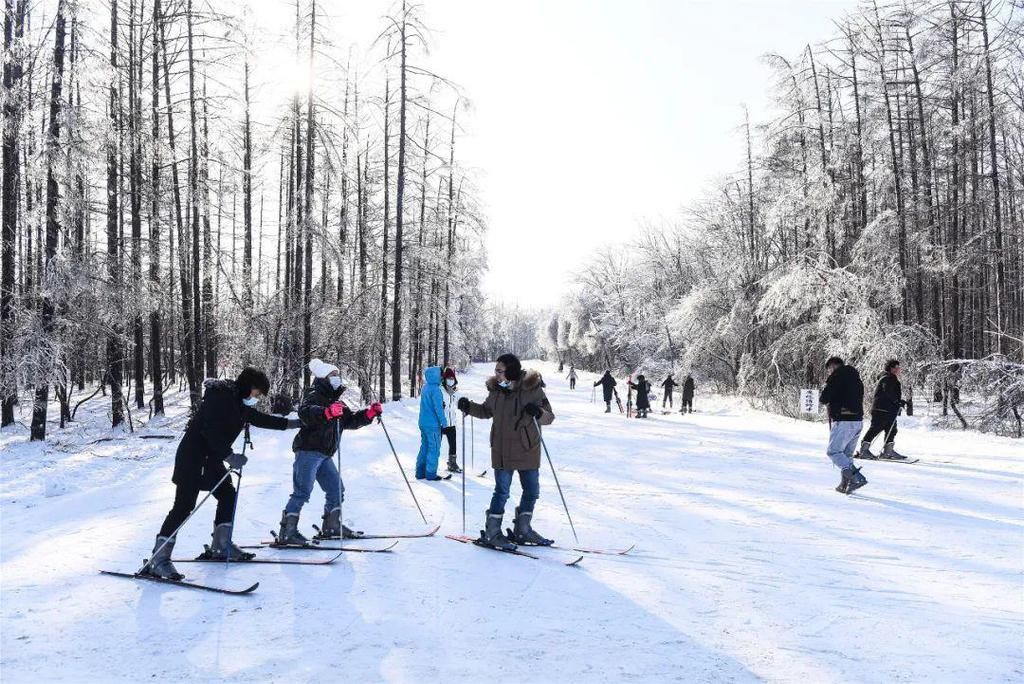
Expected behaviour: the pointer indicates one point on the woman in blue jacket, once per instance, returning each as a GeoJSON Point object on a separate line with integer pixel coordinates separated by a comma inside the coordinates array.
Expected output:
{"type": "Point", "coordinates": [432, 422]}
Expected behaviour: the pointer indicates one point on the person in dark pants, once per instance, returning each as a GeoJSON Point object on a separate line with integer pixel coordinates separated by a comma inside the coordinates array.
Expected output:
{"type": "Point", "coordinates": [643, 402]}
{"type": "Point", "coordinates": [227, 406]}
{"type": "Point", "coordinates": [572, 377]}
{"type": "Point", "coordinates": [607, 383]}
{"type": "Point", "coordinates": [450, 385]}
{"type": "Point", "coordinates": [687, 403]}
{"type": "Point", "coordinates": [884, 409]}
{"type": "Point", "coordinates": [843, 394]}
{"type": "Point", "coordinates": [669, 385]}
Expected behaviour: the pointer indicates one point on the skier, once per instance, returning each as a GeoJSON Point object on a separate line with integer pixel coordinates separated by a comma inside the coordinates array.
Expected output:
{"type": "Point", "coordinates": [884, 409]}
{"type": "Point", "coordinates": [450, 384]}
{"type": "Point", "coordinates": [687, 403]}
{"type": "Point", "coordinates": [514, 399]}
{"type": "Point", "coordinates": [572, 377]}
{"type": "Point", "coordinates": [669, 385]}
{"type": "Point", "coordinates": [432, 423]}
{"type": "Point", "coordinates": [844, 395]}
{"type": "Point", "coordinates": [227, 406]}
{"type": "Point", "coordinates": [323, 416]}
{"type": "Point", "coordinates": [643, 402]}
{"type": "Point", "coordinates": [607, 383]}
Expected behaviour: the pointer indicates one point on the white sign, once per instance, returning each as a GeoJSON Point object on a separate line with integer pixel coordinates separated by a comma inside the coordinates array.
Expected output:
{"type": "Point", "coordinates": [808, 401]}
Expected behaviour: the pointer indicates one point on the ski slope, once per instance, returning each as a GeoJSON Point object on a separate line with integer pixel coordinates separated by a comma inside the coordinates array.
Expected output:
{"type": "Point", "coordinates": [748, 566]}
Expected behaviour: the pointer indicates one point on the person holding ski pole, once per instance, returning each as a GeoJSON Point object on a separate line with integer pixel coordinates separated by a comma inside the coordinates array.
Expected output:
{"type": "Point", "coordinates": [643, 402]}
{"type": "Point", "coordinates": [514, 399]}
{"type": "Point", "coordinates": [885, 408]}
{"type": "Point", "coordinates": [669, 385]}
{"type": "Point", "coordinates": [450, 385]}
{"type": "Point", "coordinates": [843, 394]}
{"type": "Point", "coordinates": [572, 377]}
{"type": "Point", "coordinates": [433, 422]}
{"type": "Point", "coordinates": [323, 417]}
{"type": "Point", "coordinates": [686, 405]}
{"type": "Point", "coordinates": [607, 383]}
{"type": "Point", "coordinates": [226, 408]}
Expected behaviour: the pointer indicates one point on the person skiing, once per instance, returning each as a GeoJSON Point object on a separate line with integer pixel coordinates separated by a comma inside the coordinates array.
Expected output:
{"type": "Point", "coordinates": [323, 417]}
{"type": "Point", "coordinates": [433, 423]}
{"type": "Point", "coordinates": [515, 398]}
{"type": "Point", "coordinates": [885, 408]}
{"type": "Point", "coordinates": [643, 401]}
{"type": "Point", "coordinates": [607, 383]}
{"type": "Point", "coordinates": [572, 377]}
{"type": "Point", "coordinates": [669, 385]}
{"type": "Point", "coordinates": [227, 406]}
{"type": "Point", "coordinates": [686, 405]}
{"type": "Point", "coordinates": [450, 385]}
{"type": "Point", "coordinates": [844, 396]}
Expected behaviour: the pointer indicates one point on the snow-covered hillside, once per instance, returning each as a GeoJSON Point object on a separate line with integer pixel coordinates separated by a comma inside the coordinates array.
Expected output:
{"type": "Point", "coordinates": [748, 566]}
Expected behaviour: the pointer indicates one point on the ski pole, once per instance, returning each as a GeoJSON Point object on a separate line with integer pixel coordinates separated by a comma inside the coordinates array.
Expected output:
{"type": "Point", "coordinates": [238, 492]}
{"type": "Point", "coordinates": [341, 501]}
{"type": "Point", "coordinates": [149, 561]}
{"type": "Point", "coordinates": [564, 505]}
{"type": "Point", "coordinates": [472, 444]}
{"type": "Point", "coordinates": [463, 473]}
{"type": "Point", "coordinates": [380, 419]}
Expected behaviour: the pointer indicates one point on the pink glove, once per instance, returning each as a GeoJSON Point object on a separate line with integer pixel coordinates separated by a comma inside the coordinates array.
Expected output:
{"type": "Point", "coordinates": [374, 410]}
{"type": "Point", "coordinates": [334, 411]}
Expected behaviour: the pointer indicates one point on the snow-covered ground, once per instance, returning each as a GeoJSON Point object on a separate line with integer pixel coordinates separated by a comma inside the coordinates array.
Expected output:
{"type": "Point", "coordinates": [748, 566]}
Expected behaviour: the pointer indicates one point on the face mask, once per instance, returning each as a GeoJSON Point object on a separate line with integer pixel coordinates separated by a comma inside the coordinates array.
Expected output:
{"type": "Point", "coordinates": [504, 384]}
{"type": "Point", "coordinates": [335, 381]}
{"type": "Point", "coordinates": [250, 401]}
{"type": "Point", "coordinates": [450, 382]}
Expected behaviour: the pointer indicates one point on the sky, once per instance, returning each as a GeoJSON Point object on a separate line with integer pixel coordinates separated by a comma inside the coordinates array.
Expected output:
{"type": "Point", "coordinates": [590, 117]}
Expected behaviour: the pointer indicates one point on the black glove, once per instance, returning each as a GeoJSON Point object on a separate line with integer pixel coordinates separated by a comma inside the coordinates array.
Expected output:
{"type": "Point", "coordinates": [533, 410]}
{"type": "Point", "coordinates": [235, 461]}
{"type": "Point", "coordinates": [463, 404]}
{"type": "Point", "coordinates": [294, 423]}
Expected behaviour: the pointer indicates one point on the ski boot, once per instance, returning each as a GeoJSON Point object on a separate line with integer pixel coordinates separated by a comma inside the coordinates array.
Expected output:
{"type": "Point", "coordinates": [608, 409]}
{"type": "Point", "coordinates": [223, 548]}
{"type": "Point", "coordinates": [890, 452]}
{"type": "Point", "coordinates": [334, 529]}
{"type": "Point", "coordinates": [289, 532]}
{"type": "Point", "coordinates": [492, 536]}
{"type": "Point", "coordinates": [160, 565]}
{"type": "Point", "coordinates": [855, 480]}
{"type": "Point", "coordinates": [865, 452]}
{"type": "Point", "coordinates": [525, 534]}
{"type": "Point", "coordinates": [453, 464]}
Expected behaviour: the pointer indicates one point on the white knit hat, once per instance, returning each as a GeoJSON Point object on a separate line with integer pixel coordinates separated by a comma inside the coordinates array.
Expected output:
{"type": "Point", "coordinates": [320, 369]}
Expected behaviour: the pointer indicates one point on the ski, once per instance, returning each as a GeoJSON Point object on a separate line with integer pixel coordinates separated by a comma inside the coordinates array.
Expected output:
{"type": "Point", "coordinates": [308, 546]}
{"type": "Point", "coordinates": [905, 461]}
{"type": "Point", "coordinates": [360, 535]}
{"type": "Point", "coordinates": [515, 552]}
{"type": "Point", "coordinates": [276, 561]}
{"type": "Point", "coordinates": [598, 552]}
{"type": "Point", "coordinates": [483, 474]}
{"type": "Point", "coordinates": [182, 583]}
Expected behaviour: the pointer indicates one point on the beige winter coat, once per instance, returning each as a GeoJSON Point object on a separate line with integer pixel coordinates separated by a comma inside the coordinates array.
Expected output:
{"type": "Point", "coordinates": [515, 444]}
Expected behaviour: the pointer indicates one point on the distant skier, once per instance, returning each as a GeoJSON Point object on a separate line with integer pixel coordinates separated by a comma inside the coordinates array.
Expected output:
{"type": "Point", "coordinates": [686, 406]}
{"type": "Point", "coordinates": [884, 409]}
{"type": "Point", "coordinates": [514, 398]}
{"type": "Point", "coordinates": [669, 385]}
{"type": "Point", "coordinates": [450, 385]}
{"type": "Point", "coordinates": [323, 414]}
{"type": "Point", "coordinates": [572, 377]}
{"type": "Point", "coordinates": [607, 383]}
{"type": "Point", "coordinates": [227, 406]}
{"type": "Point", "coordinates": [844, 396]}
{"type": "Point", "coordinates": [432, 424]}
{"type": "Point", "coordinates": [643, 402]}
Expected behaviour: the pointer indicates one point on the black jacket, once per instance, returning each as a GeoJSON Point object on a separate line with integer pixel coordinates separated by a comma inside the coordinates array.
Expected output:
{"type": "Point", "coordinates": [211, 432]}
{"type": "Point", "coordinates": [888, 395]}
{"type": "Point", "coordinates": [669, 383]}
{"type": "Point", "coordinates": [688, 388]}
{"type": "Point", "coordinates": [844, 394]}
{"type": "Point", "coordinates": [642, 388]}
{"type": "Point", "coordinates": [607, 383]}
{"type": "Point", "coordinates": [317, 433]}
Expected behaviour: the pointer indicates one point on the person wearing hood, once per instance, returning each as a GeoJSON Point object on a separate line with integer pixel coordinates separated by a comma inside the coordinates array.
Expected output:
{"type": "Point", "coordinates": [323, 417]}
{"type": "Point", "coordinates": [433, 422]}
{"type": "Point", "coordinates": [226, 408]}
{"type": "Point", "coordinates": [515, 399]}
{"type": "Point", "coordinates": [607, 383]}
{"type": "Point", "coordinates": [643, 400]}
{"type": "Point", "coordinates": [450, 384]}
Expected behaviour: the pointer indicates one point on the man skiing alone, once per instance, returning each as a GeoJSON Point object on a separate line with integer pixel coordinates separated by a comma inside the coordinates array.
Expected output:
{"type": "Point", "coordinates": [607, 383]}
{"type": "Point", "coordinates": [323, 417]}
{"type": "Point", "coordinates": [844, 396]}
{"type": "Point", "coordinates": [885, 408]}
{"type": "Point", "coordinates": [669, 385]}
{"type": "Point", "coordinates": [572, 377]}
{"type": "Point", "coordinates": [450, 385]}
{"type": "Point", "coordinates": [686, 405]}
{"type": "Point", "coordinates": [432, 423]}
{"type": "Point", "coordinates": [515, 399]}
{"type": "Point", "coordinates": [643, 401]}
{"type": "Point", "coordinates": [227, 406]}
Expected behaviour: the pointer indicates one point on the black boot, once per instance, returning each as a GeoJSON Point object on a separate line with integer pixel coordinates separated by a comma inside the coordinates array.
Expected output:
{"type": "Point", "coordinates": [453, 464]}
{"type": "Point", "coordinates": [289, 532]}
{"type": "Point", "coordinates": [492, 536]}
{"type": "Point", "coordinates": [222, 548]}
{"type": "Point", "coordinates": [856, 480]}
{"type": "Point", "coordinates": [160, 565]}
{"type": "Point", "coordinates": [844, 483]}
{"type": "Point", "coordinates": [525, 534]}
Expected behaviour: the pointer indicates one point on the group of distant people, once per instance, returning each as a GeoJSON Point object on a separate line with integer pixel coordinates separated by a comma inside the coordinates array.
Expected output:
{"type": "Point", "coordinates": [642, 387]}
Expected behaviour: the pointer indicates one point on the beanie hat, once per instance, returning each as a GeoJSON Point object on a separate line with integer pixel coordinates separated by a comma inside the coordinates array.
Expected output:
{"type": "Point", "coordinates": [320, 369]}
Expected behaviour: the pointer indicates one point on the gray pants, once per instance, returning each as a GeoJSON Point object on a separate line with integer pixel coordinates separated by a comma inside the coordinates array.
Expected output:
{"type": "Point", "coordinates": [842, 442]}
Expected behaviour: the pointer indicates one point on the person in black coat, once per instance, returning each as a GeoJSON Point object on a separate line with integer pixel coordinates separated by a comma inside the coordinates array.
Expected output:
{"type": "Point", "coordinates": [843, 395]}
{"type": "Point", "coordinates": [687, 403]}
{"type": "Point", "coordinates": [226, 408]}
{"type": "Point", "coordinates": [643, 402]}
{"type": "Point", "coordinates": [669, 385]}
{"type": "Point", "coordinates": [607, 383]}
{"type": "Point", "coordinates": [884, 409]}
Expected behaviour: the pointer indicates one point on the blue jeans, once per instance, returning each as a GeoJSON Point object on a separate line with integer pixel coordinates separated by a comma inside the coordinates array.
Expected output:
{"type": "Point", "coordinates": [310, 467]}
{"type": "Point", "coordinates": [430, 452]}
{"type": "Point", "coordinates": [530, 481]}
{"type": "Point", "coordinates": [842, 442]}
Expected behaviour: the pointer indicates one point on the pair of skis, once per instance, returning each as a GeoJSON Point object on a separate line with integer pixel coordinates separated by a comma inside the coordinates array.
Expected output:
{"type": "Point", "coordinates": [887, 459]}
{"type": "Point", "coordinates": [572, 562]}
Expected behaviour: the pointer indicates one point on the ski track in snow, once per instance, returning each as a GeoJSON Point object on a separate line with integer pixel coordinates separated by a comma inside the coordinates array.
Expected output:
{"type": "Point", "coordinates": [748, 566]}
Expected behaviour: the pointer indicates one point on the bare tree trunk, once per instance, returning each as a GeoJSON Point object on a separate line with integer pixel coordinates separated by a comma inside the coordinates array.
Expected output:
{"type": "Point", "coordinates": [193, 197]}
{"type": "Point", "coordinates": [114, 359]}
{"type": "Point", "coordinates": [396, 316]}
{"type": "Point", "coordinates": [307, 292]}
{"type": "Point", "coordinates": [997, 215]}
{"type": "Point", "coordinates": [209, 300]}
{"type": "Point", "coordinates": [381, 382]}
{"type": "Point", "coordinates": [154, 229]}
{"type": "Point", "coordinates": [135, 201]}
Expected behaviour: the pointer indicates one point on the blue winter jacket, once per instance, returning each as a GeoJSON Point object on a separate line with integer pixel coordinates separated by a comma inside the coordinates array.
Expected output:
{"type": "Point", "coordinates": [432, 415]}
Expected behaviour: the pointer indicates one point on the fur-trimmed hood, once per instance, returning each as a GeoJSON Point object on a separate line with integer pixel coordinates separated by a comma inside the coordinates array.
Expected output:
{"type": "Point", "coordinates": [531, 380]}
